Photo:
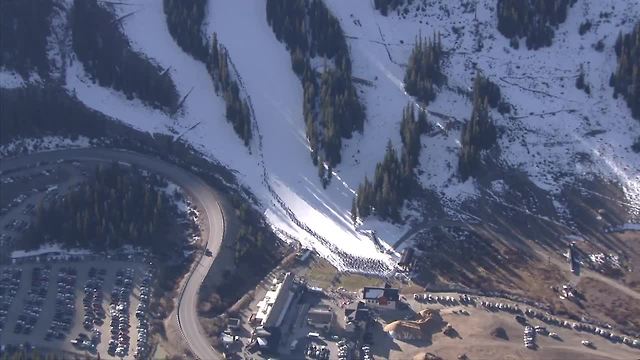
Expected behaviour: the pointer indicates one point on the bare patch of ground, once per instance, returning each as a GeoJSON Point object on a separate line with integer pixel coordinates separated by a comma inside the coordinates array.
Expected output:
{"type": "Point", "coordinates": [608, 302]}
{"type": "Point", "coordinates": [322, 274]}
{"type": "Point", "coordinates": [474, 338]}
{"type": "Point", "coordinates": [517, 246]}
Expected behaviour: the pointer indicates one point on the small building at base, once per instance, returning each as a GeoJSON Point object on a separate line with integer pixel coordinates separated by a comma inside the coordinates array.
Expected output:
{"type": "Point", "coordinates": [356, 317]}
{"type": "Point", "coordinates": [382, 298]}
{"type": "Point", "coordinates": [320, 317]}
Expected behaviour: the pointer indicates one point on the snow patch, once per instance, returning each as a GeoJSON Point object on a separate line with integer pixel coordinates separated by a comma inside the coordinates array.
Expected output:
{"type": "Point", "coordinates": [10, 79]}
{"type": "Point", "coordinates": [180, 201]}
{"type": "Point", "coordinates": [47, 143]}
{"type": "Point", "coordinates": [499, 186]}
{"type": "Point", "coordinates": [48, 249]}
{"type": "Point", "coordinates": [625, 227]}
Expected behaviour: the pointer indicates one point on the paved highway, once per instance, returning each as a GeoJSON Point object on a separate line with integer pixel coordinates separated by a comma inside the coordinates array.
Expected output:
{"type": "Point", "coordinates": [202, 194]}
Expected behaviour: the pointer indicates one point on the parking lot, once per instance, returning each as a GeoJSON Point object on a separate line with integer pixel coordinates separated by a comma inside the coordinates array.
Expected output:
{"type": "Point", "coordinates": [21, 193]}
{"type": "Point", "coordinates": [73, 300]}
{"type": "Point", "coordinates": [83, 307]}
{"type": "Point", "coordinates": [297, 339]}
{"type": "Point", "coordinates": [495, 328]}
{"type": "Point", "coordinates": [328, 345]}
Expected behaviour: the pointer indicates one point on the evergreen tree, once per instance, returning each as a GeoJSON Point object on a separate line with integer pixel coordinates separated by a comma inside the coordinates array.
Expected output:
{"type": "Point", "coordinates": [485, 88]}
{"type": "Point", "coordinates": [423, 69]}
{"type": "Point", "coordinates": [118, 206]}
{"type": "Point", "coordinates": [384, 6]}
{"type": "Point", "coordinates": [107, 56]}
{"type": "Point", "coordinates": [213, 63]}
{"type": "Point", "coordinates": [34, 111]}
{"type": "Point", "coordinates": [24, 28]}
{"type": "Point", "coordinates": [394, 177]}
{"type": "Point", "coordinates": [626, 79]}
{"type": "Point", "coordinates": [410, 131]}
{"type": "Point", "coordinates": [636, 145]}
{"type": "Point", "coordinates": [580, 82]}
{"type": "Point", "coordinates": [354, 210]}
{"type": "Point", "coordinates": [322, 173]}
{"type": "Point", "coordinates": [531, 19]}
{"type": "Point", "coordinates": [584, 27]}
{"type": "Point", "coordinates": [238, 112]}
{"type": "Point", "coordinates": [479, 133]}
{"type": "Point", "coordinates": [184, 20]}
{"type": "Point", "coordinates": [331, 108]}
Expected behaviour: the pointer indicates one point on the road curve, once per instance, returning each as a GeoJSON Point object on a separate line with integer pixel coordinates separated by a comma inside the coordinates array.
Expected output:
{"type": "Point", "coordinates": [203, 195]}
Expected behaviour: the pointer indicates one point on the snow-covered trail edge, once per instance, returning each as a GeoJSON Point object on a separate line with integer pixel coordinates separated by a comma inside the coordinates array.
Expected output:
{"type": "Point", "coordinates": [281, 175]}
{"type": "Point", "coordinates": [542, 138]}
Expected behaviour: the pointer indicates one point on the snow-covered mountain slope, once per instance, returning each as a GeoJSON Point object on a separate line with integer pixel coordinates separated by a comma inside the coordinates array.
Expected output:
{"type": "Point", "coordinates": [278, 167]}
{"type": "Point", "coordinates": [276, 96]}
{"type": "Point", "coordinates": [553, 124]}
{"type": "Point", "coordinates": [543, 137]}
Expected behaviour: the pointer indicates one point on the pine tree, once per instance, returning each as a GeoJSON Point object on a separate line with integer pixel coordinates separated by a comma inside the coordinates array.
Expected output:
{"type": "Point", "coordinates": [107, 57]}
{"type": "Point", "coordinates": [532, 19]}
{"type": "Point", "coordinates": [393, 179]}
{"type": "Point", "coordinates": [238, 112]}
{"type": "Point", "coordinates": [184, 20]}
{"type": "Point", "coordinates": [122, 207]}
{"type": "Point", "coordinates": [478, 134]}
{"type": "Point", "coordinates": [24, 29]}
{"type": "Point", "coordinates": [322, 173]}
{"type": "Point", "coordinates": [580, 82]}
{"type": "Point", "coordinates": [34, 110]}
{"type": "Point", "coordinates": [354, 211]}
{"type": "Point", "coordinates": [485, 88]}
{"type": "Point", "coordinates": [423, 69]}
{"type": "Point", "coordinates": [331, 108]}
{"type": "Point", "coordinates": [626, 79]}
{"type": "Point", "coordinates": [384, 6]}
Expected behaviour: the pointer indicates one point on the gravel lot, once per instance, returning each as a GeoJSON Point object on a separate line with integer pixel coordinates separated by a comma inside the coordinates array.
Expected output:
{"type": "Point", "coordinates": [474, 325]}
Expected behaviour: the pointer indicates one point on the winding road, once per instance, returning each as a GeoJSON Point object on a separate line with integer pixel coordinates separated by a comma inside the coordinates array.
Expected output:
{"type": "Point", "coordinates": [207, 201]}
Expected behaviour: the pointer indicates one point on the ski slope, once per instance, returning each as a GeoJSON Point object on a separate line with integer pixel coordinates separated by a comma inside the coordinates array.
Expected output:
{"type": "Point", "coordinates": [551, 126]}
{"type": "Point", "coordinates": [554, 124]}
{"type": "Point", "coordinates": [277, 167]}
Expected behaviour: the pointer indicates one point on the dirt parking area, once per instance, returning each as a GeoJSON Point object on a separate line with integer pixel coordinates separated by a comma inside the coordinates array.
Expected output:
{"type": "Point", "coordinates": [60, 301]}
{"type": "Point", "coordinates": [483, 333]}
{"type": "Point", "coordinates": [610, 303]}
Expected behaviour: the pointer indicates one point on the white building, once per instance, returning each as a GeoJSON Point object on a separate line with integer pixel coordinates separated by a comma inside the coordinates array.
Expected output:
{"type": "Point", "coordinates": [385, 298]}
{"type": "Point", "coordinates": [273, 307]}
